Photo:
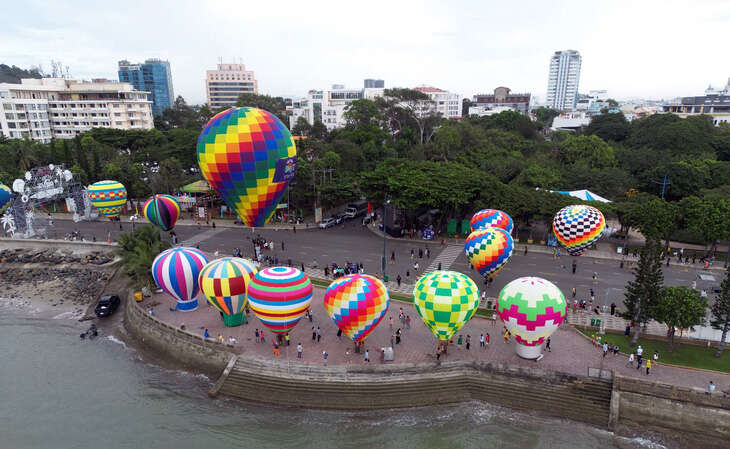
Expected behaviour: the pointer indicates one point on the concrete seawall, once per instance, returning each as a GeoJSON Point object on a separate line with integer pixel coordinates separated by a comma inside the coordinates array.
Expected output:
{"type": "Point", "coordinates": [628, 406]}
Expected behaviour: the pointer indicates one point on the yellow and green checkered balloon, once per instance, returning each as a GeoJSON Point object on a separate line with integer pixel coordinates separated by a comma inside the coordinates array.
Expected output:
{"type": "Point", "coordinates": [445, 300]}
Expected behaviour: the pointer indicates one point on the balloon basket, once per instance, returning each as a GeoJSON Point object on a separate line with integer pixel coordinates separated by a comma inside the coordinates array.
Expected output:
{"type": "Point", "coordinates": [528, 352]}
{"type": "Point", "coordinates": [236, 319]}
{"type": "Point", "coordinates": [187, 306]}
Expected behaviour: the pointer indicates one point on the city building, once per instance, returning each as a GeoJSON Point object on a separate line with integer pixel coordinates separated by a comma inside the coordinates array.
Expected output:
{"type": "Point", "coordinates": [224, 85]}
{"type": "Point", "coordinates": [563, 78]}
{"type": "Point", "coordinates": [446, 103]}
{"type": "Point", "coordinates": [485, 111]}
{"type": "Point", "coordinates": [328, 106]}
{"type": "Point", "coordinates": [501, 98]}
{"type": "Point", "coordinates": [46, 108]}
{"type": "Point", "coordinates": [715, 103]}
{"type": "Point", "coordinates": [374, 84]}
{"type": "Point", "coordinates": [151, 76]}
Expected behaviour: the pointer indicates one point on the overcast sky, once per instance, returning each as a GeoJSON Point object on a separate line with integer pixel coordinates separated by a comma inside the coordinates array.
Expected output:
{"type": "Point", "coordinates": [650, 49]}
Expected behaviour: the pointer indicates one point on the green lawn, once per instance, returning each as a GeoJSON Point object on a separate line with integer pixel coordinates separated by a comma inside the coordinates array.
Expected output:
{"type": "Point", "coordinates": [685, 355]}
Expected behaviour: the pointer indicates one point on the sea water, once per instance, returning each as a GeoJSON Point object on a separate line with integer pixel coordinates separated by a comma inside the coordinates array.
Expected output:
{"type": "Point", "coordinates": [58, 391]}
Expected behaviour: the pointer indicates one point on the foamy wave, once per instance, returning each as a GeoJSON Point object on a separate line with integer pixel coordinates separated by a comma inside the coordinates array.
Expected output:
{"type": "Point", "coordinates": [643, 442]}
{"type": "Point", "coordinates": [114, 339]}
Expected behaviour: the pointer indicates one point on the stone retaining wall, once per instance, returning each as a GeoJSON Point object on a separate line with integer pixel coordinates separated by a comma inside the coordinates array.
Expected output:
{"type": "Point", "coordinates": [63, 245]}
{"type": "Point", "coordinates": [192, 351]}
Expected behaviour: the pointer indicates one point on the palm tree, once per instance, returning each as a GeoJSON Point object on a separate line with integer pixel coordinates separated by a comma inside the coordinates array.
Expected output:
{"type": "Point", "coordinates": [138, 250]}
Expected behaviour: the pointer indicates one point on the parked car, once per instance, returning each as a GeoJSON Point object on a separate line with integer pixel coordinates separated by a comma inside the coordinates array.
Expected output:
{"type": "Point", "coordinates": [107, 305]}
{"type": "Point", "coordinates": [327, 223]}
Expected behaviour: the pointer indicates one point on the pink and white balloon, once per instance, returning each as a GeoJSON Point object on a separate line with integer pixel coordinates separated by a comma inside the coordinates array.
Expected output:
{"type": "Point", "coordinates": [176, 272]}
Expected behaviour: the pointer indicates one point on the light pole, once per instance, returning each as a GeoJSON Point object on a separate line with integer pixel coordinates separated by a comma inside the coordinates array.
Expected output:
{"type": "Point", "coordinates": [383, 260]}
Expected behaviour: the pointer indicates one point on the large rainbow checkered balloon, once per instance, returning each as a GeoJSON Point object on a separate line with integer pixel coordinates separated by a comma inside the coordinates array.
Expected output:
{"type": "Point", "coordinates": [488, 250]}
{"type": "Point", "coordinates": [248, 156]}
{"type": "Point", "coordinates": [487, 218]}
{"type": "Point", "coordinates": [280, 296]}
{"type": "Point", "coordinates": [108, 196]}
{"type": "Point", "coordinates": [531, 308]}
{"type": "Point", "coordinates": [176, 271]}
{"type": "Point", "coordinates": [578, 227]}
{"type": "Point", "coordinates": [162, 211]}
{"type": "Point", "coordinates": [445, 300]}
{"type": "Point", "coordinates": [224, 282]}
{"type": "Point", "coordinates": [356, 303]}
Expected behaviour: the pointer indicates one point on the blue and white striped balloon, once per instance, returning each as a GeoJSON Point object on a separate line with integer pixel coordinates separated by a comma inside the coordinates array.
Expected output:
{"type": "Point", "coordinates": [176, 272]}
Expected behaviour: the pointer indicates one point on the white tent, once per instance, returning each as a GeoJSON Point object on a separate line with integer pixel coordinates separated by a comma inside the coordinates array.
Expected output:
{"type": "Point", "coordinates": [584, 194]}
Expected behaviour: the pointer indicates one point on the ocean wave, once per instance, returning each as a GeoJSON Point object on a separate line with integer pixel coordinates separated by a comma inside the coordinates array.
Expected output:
{"type": "Point", "coordinates": [114, 339]}
{"type": "Point", "coordinates": [643, 442]}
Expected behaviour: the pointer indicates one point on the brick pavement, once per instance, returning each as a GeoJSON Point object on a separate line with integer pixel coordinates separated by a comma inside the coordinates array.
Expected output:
{"type": "Point", "coordinates": [571, 352]}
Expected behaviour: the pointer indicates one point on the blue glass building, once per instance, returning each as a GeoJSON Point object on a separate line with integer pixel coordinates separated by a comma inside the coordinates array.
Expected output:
{"type": "Point", "coordinates": [151, 76]}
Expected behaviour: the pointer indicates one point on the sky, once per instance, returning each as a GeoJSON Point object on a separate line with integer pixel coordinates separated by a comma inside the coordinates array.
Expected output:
{"type": "Point", "coordinates": [647, 49]}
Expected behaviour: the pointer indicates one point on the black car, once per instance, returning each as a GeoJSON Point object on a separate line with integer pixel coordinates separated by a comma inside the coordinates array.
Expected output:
{"type": "Point", "coordinates": [339, 218]}
{"type": "Point", "coordinates": [107, 305]}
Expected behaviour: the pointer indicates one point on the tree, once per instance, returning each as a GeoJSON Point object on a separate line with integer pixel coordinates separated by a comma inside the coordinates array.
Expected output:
{"type": "Point", "coordinates": [275, 105]}
{"type": "Point", "coordinates": [653, 217]}
{"type": "Point", "coordinates": [611, 102]}
{"type": "Point", "coordinates": [613, 127]}
{"type": "Point", "coordinates": [644, 290]}
{"type": "Point", "coordinates": [302, 128]}
{"type": "Point", "coordinates": [710, 219]}
{"type": "Point", "coordinates": [679, 307]}
{"type": "Point", "coordinates": [720, 318]}
{"type": "Point", "coordinates": [545, 116]}
{"type": "Point", "coordinates": [138, 249]}
{"type": "Point", "coordinates": [414, 106]}
{"type": "Point", "coordinates": [591, 150]}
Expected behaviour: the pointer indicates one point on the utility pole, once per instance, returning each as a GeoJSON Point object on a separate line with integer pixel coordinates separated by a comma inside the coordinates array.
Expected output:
{"type": "Point", "coordinates": [384, 262]}
{"type": "Point", "coordinates": [664, 184]}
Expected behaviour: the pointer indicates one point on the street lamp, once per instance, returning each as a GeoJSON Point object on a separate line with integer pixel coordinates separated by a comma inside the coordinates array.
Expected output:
{"type": "Point", "coordinates": [383, 260]}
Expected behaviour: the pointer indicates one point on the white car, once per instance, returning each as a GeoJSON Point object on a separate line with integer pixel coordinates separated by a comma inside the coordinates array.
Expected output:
{"type": "Point", "coordinates": [327, 223]}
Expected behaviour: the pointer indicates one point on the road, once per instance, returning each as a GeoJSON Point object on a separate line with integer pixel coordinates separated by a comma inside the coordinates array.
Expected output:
{"type": "Point", "coordinates": [355, 244]}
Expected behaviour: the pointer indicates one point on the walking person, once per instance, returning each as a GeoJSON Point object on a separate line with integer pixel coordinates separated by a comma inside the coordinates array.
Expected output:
{"type": "Point", "coordinates": [575, 265]}
{"type": "Point", "coordinates": [631, 360]}
{"type": "Point", "coordinates": [481, 341]}
{"type": "Point", "coordinates": [314, 334]}
{"type": "Point", "coordinates": [398, 280]}
{"type": "Point", "coordinates": [299, 350]}
{"type": "Point", "coordinates": [547, 344]}
{"type": "Point", "coordinates": [648, 367]}
{"type": "Point", "coordinates": [258, 339]}
{"type": "Point", "coordinates": [468, 342]}
{"type": "Point", "coordinates": [286, 337]}
{"type": "Point", "coordinates": [367, 356]}
{"type": "Point", "coordinates": [276, 348]}
{"type": "Point", "coordinates": [487, 338]}
{"type": "Point", "coordinates": [573, 292]}
{"type": "Point", "coordinates": [639, 355]}
{"type": "Point", "coordinates": [408, 321]}
{"type": "Point", "coordinates": [261, 335]}
{"type": "Point", "coordinates": [324, 357]}
{"type": "Point", "coordinates": [319, 334]}
{"type": "Point", "coordinates": [605, 349]}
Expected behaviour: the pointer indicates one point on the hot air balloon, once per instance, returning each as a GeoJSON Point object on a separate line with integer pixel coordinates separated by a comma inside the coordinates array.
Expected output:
{"type": "Point", "coordinates": [5, 195]}
{"type": "Point", "coordinates": [578, 227]}
{"type": "Point", "coordinates": [487, 218]}
{"type": "Point", "coordinates": [109, 197]}
{"type": "Point", "coordinates": [162, 211]}
{"type": "Point", "coordinates": [280, 296]}
{"type": "Point", "coordinates": [445, 300]}
{"type": "Point", "coordinates": [248, 156]}
{"type": "Point", "coordinates": [356, 303]}
{"type": "Point", "coordinates": [531, 309]}
{"type": "Point", "coordinates": [176, 271]}
{"type": "Point", "coordinates": [488, 250]}
{"type": "Point", "coordinates": [224, 283]}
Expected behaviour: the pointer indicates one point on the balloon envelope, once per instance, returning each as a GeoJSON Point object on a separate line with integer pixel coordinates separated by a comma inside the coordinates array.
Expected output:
{"type": "Point", "coordinates": [488, 250]}
{"type": "Point", "coordinates": [578, 227]}
{"type": "Point", "coordinates": [176, 272]}
{"type": "Point", "coordinates": [487, 218]}
{"type": "Point", "coordinates": [445, 300]}
{"type": "Point", "coordinates": [108, 196]}
{"type": "Point", "coordinates": [5, 195]}
{"type": "Point", "coordinates": [224, 283]}
{"type": "Point", "coordinates": [162, 211]}
{"type": "Point", "coordinates": [531, 308]}
{"type": "Point", "coordinates": [356, 303]}
{"type": "Point", "coordinates": [280, 296]}
{"type": "Point", "coordinates": [248, 156]}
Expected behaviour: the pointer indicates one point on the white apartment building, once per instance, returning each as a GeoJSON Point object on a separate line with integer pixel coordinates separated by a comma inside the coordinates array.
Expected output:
{"type": "Point", "coordinates": [446, 103]}
{"type": "Point", "coordinates": [224, 85]}
{"type": "Point", "coordinates": [41, 109]}
{"type": "Point", "coordinates": [328, 106]}
{"type": "Point", "coordinates": [563, 79]}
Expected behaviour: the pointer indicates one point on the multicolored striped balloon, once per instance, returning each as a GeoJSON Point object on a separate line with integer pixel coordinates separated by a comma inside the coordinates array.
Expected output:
{"type": "Point", "coordinates": [5, 195]}
{"type": "Point", "coordinates": [224, 283]}
{"type": "Point", "coordinates": [280, 296]}
{"type": "Point", "coordinates": [578, 227]}
{"type": "Point", "coordinates": [248, 156]}
{"type": "Point", "coordinates": [176, 272]}
{"type": "Point", "coordinates": [488, 250]}
{"type": "Point", "coordinates": [487, 218]}
{"type": "Point", "coordinates": [356, 303]}
{"type": "Point", "coordinates": [109, 197]}
{"type": "Point", "coordinates": [531, 308]}
{"type": "Point", "coordinates": [162, 211]}
{"type": "Point", "coordinates": [445, 300]}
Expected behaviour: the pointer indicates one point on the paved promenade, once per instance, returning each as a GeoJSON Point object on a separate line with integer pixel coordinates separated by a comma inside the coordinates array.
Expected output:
{"type": "Point", "coordinates": [571, 352]}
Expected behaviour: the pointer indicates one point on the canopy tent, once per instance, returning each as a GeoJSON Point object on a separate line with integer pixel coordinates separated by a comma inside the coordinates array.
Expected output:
{"type": "Point", "coordinates": [196, 187]}
{"type": "Point", "coordinates": [585, 195]}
